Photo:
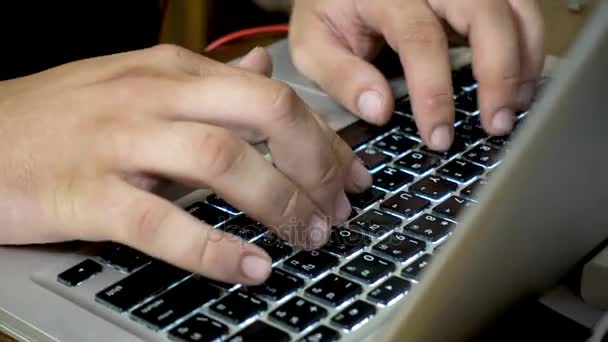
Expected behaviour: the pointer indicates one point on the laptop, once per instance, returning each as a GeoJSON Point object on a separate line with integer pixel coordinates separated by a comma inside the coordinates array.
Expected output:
{"type": "Point", "coordinates": [439, 247]}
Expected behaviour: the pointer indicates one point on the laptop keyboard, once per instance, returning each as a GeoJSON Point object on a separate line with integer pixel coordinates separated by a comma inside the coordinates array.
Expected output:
{"type": "Point", "coordinates": [369, 263]}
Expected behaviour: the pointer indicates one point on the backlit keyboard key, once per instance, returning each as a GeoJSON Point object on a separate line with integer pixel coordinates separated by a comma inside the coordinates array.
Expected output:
{"type": "Point", "coordinates": [471, 190]}
{"type": "Point", "coordinates": [366, 198]}
{"type": "Point", "coordinates": [238, 307]}
{"type": "Point", "coordinates": [373, 158]}
{"type": "Point", "coordinates": [485, 155]}
{"type": "Point", "coordinates": [344, 242]}
{"type": "Point", "coordinates": [429, 227]}
{"type": "Point", "coordinates": [219, 202]}
{"type": "Point", "coordinates": [460, 170]}
{"type": "Point", "coordinates": [79, 273]}
{"type": "Point", "coordinates": [433, 187]}
{"type": "Point", "coordinates": [321, 334]}
{"type": "Point", "coordinates": [278, 285]}
{"type": "Point", "coordinates": [123, 258]}
{"type": "Point", "coordinates": [208, 213]}
{"type": "Point", "coordinates": [243, 227]}
{"type": "Point", "coordinates": [135, 288]}
{"type": "Point", "coordinates": [414, 270]}
{"type": "Point", "coordinates": [276, 249]}
{"type": "Point", "coordinates": [391, 179]}
{"type": "Point", "coordinates": [354, 315]}
{"type": "Point", "coordinates": [360, 133]}
{"type": "Point", "coordinates": [395, 143]}
{"type": "Point", "coordinates": [368, 268]}
{"type": "Point", "coordinates": [417, 162]}
{"type": "Point", "coordinates": [311, 263]}
{"type": "Point", "coordinates": [298, 314]}
{"type": "Point", "coordinates": [260, 331]}
{"type": "Point", "coordinates": [453, 207]}
{"type": "Point", "coordinates": [176, 303]}
{"type": "Point", "coordinates": [399, 247]}
{"type": "Point", "coordinates": [334, 290]}
{"type": "Point", "coordinates": [405, 204]}
{"type": "Point", "coordinates": [199, 328]}
{"type": "Point", "coordinates": [375, 223]}
{"type": "Point", "coordinates": [389, 290]}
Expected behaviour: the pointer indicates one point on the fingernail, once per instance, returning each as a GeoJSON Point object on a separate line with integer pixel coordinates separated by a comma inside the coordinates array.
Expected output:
{"type": "Point", "coordinates": [370, 104]}
{"type": "Point", "coordinates": [503, 121]}
{"type": "Point", "coordinates": [441, 138]}
{"type": "Point", "coordinates": [255, 267]}
{"type": "Point", "coordinates": [317, 232]}
{"type": "Point", "coordinates": [343, 207]}
{"type": "Point", "coordinates": [360, 175]}
{"type": "Point", "coordinates": [526, 92]}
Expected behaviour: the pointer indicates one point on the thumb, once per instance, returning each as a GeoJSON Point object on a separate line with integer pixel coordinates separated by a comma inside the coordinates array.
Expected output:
{"type": "Point", "coordinates": [258, 61]}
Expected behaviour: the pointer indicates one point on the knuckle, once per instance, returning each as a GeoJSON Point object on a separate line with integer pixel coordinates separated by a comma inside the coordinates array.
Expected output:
{"type": "Point", "coordinates": [219, 152]}
{"type": "Point", "coordinates": [289, 204]}
{"type": "Point", "coordinates": [168, 52]}
{"type": "Point", "coordinates": [422, 31]}
{"type": "Point", "coordinates": [284, 102]}
{"type": "Point", "coordinates": [144, 221]}
{"type": "Point", "coordinates": [201, 251]}
{"type": "Point", "coordinates": [329, 174]}
{"type": "Point", "coordinates": [437, 99]}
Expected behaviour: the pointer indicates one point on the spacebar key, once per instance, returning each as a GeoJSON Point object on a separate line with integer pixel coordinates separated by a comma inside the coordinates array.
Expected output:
{"type": "Point", "coordinates": [148, 281]}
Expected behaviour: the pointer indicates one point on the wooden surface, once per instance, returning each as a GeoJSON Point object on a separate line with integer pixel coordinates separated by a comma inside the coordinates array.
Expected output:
{"type": "Point", "coordinates": [186, 27]}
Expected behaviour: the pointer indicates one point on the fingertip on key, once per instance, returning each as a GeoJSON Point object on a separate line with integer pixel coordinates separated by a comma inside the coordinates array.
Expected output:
{"type": "Point", "coordinates": [503, 121]}
{"type": "Point", "coordinates": [256, 267]}
{"type": "Point", "coordinates": [441, 138]}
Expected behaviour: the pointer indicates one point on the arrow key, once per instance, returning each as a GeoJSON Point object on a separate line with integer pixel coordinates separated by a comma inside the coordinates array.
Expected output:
{"type": "Point", "coordinates": [390, 290]}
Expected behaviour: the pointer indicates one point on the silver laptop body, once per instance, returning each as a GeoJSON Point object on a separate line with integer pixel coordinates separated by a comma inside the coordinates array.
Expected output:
{"type": "Point", "coordinates": [543, 210]}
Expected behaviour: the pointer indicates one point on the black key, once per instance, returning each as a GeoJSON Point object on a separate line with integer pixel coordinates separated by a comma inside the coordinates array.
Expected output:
{"type": "Point", "coordinates": [360, 133]}
{"type": "Point", "coordinates": [278, 285]}
{"type": "Point", "coordinates": [276, 249]}
{"type": "Point", "coordinates": [219, 202]}
{"type": "Point", "coordinates": [430, 227]}
{"type": "Point", "coordinates": [238, 306]}
{"type": "Point", "coordinates": [375, 222]}
{"type": "Point", "coordinates": [321, 334]}
{"type": "Point", "coordinates": [260, 331]}
{"type": "Point", "coordinates": [243, 227]}
{"type": "Point", "coordinates": [471, 190]}
{"type": "Point", "coordinates": [176, 303]}
{"type": "Point", "coordinates": [366, 198]}
{"type": "Point", "coordinates": [467, 102]}
{"type": "Point", "coordinates": [219, 284]}
{"type": "Point", "coordinates": [135, 288]}
{"type": "Point", "coordinates": [498, 141]}
{"type": "Point", "coordinates": [485, 155]}
{"type": "Point", "coordinates": [373, 158]}
{"type": "Point", "coordinates": [405, 204]}
{"type": "Point", "coordinates": [353, 315]}
{"type": "Point", "coordinates": [460, 170]}
{"type": "Point", "coordinates": [404, 106]}
{"type": "Point", "coordinates": [417, 162]}
{"type": "Point", "coordinates": [334, 290]}
{"type": "Point", "coordinates": [415, 269]}
{"type": "Point", "coordinates": [79, 273]}
{"type": "Point", "coordinates": [298, 313]}
{"type": "Point", "coordinates": [406, 125]}
{"type": "Point", "coordinates": [458, 146]}
{"type": "Point", "coordinates": [368, 268]}
{"type": "Point", "coordinates": [311, 263]}
{"type": "Point", "coordinates": [123, 258]}
{"type": "Point", "coordinates": [470, 132]}
{"type": "Point", "coordinates": [463, 80]}
{"type": "Point", "coordinates": [344, 242]}
{"type": "Point", "coordinates": [399, 247]}
{"type": "Point", "coordinates": [208, 213]}
{"type": "Point", "coordinates": [395, 143]}
{"type": "Point", "coordinates": [433, 187]}
{"type": "Point", "coordinates": [391, 179]}
{"type": "Point", "coordinates": [452, 207]}
{"type": "Point", "coordinates": [199, 328]}
{"type": "Point", "coordinates": [389, 290]}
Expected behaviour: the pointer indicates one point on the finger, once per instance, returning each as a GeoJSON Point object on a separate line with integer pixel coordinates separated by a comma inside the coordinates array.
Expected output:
{"type": "Point", "coordinates": [207, 156]}
{"type": "Point", "coordinates": [354, 82]}
{"type": "Point", "coordinates": [299, 147]}
{"type": "Point", "coordinates": [160, 229]}
{"type": "Point", "coordinates": [494, 40]}
{"type": "Point", "coordinates": [257, 60]}
{"type": "Point", "coordinates": [415, 32]}
{"type": "Point", "coordinates": [357, 177]}
{"type": "Point", "coordinates": [531, 32]}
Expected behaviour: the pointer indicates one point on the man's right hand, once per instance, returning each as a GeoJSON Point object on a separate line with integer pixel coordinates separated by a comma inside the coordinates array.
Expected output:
{"type": "Point", "coordinates": [83, 144]}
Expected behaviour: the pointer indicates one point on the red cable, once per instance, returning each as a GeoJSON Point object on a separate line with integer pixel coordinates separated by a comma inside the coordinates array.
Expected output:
{"type": "Point", "coordinates": [245, 33]}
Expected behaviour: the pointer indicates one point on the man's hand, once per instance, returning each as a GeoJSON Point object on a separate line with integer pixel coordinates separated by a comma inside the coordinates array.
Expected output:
{"type": "Point", "coordinates": [333, 40]}
{"type": "Point", "coordinates": [83, 144]}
